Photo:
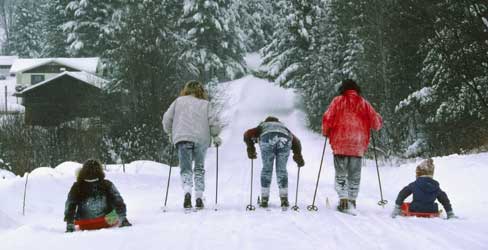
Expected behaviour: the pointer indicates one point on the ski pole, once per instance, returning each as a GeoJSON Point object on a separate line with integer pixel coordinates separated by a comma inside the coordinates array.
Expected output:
{"type": "Point", "coordinates": [313, 207]}
{"type": "Point", "coordinates": [295, 208]}
{"type": "Point", "coordinates": [169, 179]}
{"type": "Point", "coordinates": [250, 207]}
{"type": "Point", "coordinates": [217, 177]}
{"type": "Point", "coordinates": [382, 202]}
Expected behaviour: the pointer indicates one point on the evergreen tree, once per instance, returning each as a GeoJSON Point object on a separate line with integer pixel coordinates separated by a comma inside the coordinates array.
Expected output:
{"type": "Point", "coordinates": [26, 31]}
{"type": "Point", "coordinates": [217, 40]}
{"type": "Point", "coordinates": [90, 25]}
{"type": "Point", "coordinates": [55, 38]}
{"type": "Point", "coordinates": [257, 21]}
{"type": "Point", "coordinates": [148, 73]}
{"type": "Point", "coordinates": [452, 99]}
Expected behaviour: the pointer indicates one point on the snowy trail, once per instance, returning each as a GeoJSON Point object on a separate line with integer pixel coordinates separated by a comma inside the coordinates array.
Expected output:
{"type": "Point", "coordinates": [231, 227]}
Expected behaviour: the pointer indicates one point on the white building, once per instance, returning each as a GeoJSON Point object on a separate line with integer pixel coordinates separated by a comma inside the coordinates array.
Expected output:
{"type": "Point", "coordinates": [6, 63]}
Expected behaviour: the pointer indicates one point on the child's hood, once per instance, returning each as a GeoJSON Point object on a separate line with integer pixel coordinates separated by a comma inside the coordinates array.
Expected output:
{"type": "Point", "coordinates": [427, 184]}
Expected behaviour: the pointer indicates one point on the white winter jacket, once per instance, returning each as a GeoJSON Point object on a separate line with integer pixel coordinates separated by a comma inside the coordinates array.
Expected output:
{"type": "Point", "coordinates": [191, 119]}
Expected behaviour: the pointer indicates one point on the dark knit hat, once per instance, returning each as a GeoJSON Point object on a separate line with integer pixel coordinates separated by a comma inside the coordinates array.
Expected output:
{"type": "Point", "coordinates": [92, 170]}
{"type": "Point", "coordinates": [349, 84]}
{"type": "Point", "coordinates": [271, 119]}
{"type": "Point", "coordinates": [426, 167]}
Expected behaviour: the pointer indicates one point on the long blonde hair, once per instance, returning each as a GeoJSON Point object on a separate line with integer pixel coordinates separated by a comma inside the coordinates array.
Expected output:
{"type": "Point", "coordinates": [194, 88]}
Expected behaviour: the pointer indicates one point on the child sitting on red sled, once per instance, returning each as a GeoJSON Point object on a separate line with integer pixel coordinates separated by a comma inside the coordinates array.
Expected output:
{"type": "Point", "coordinates": [425, 192]}
{"type": "Point", "coordinates": [94, 202]}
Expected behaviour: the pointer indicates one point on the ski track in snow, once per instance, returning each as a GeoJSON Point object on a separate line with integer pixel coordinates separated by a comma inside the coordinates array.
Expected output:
{"type": "Point", "coordinates": [251, 100]}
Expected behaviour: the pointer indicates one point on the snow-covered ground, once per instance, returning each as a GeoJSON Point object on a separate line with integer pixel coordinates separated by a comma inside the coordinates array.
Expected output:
{"type": "Point", "coordinates": [250, 100]}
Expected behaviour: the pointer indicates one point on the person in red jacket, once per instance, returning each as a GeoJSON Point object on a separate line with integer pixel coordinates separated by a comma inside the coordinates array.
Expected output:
{"type": "Point", "coordinates": [347, 123]}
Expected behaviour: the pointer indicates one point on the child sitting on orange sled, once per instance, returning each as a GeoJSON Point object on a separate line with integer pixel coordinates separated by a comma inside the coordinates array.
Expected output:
{"type": "Point", "coordinates": [425, 191]}
{"type": "Point", "coordinates": [94, 202]}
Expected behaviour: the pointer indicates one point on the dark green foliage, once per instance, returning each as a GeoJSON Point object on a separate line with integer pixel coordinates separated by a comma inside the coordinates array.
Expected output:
{"type": "Point", "coordinates": [26, 31]}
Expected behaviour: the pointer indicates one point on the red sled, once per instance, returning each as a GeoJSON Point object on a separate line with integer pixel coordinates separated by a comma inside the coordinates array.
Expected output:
{"type": "Point", "coordinates": [406, 212]}
{"type": "Point", "coordinates": [93, 224]}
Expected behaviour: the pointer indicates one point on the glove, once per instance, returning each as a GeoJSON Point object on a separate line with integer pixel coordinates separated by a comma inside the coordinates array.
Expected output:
{"type": "Point", "coordinates": [298, 158]}
{"type": "Point", "coordinates": [251, 153]}
{"type": "Point", "coordinates": [125, 222]}
{"type": "Point", "coordinates": [217, 141]}
{"type": "Point", "coordinates": [70, 227]}
{"type": "Point", "coordinates": [396, 211]}
{"type": "Point", "coordinates": [112, 218]}
{"type": "Point", "coordinates": [451, 215]}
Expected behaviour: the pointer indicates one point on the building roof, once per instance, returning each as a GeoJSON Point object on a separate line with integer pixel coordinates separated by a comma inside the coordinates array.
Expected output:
{"type": "Point", "coordinates": [7, 60]}
{"type": "Point", "coordinates": [88, 64]}
{"type": "Point", "coordinates": [82, 76]}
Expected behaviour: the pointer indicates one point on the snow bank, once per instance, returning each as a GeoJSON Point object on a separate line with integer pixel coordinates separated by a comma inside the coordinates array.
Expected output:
{"type": "Point", "coordinates": [6, 222]}
{"type": "Point", "coordinates": [44, 172]}
{"type": "Point", "coordinates": [139, 168]}
{"type": "Point", "coordinates": [5, 174]}
{"type": "Point", "coordinates": [68, 168]}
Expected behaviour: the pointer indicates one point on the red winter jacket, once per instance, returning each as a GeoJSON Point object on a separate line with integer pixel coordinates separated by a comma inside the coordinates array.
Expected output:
{"type": "Point", "coordinates": [347, 123]}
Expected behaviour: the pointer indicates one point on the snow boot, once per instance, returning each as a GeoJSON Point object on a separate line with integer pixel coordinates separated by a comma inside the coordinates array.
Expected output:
{"type": "Point", "coordinates": [187, 202]}
{"type": "Point", "coordinates": [199, 203]}
{"type": "Point", "coordinates": [264, 202]}
{"type": "Point", "coordinates": [284, 202]}
{"type": "Point", "coordinates": [343, 205]}
{"type": "Point", "coordinates": [125, 223]}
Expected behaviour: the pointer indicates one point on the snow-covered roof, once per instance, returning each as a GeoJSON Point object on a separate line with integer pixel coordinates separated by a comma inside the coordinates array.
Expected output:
{"type": "Point", "coordinates": [88, 64]}
{"type": "Point", "coordinates": [82, 76]}
{"type": "Point", "coordinates": [7, 60]}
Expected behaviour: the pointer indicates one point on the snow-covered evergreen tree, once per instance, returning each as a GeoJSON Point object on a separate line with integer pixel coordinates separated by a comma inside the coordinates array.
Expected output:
{"type": "Point", "coordinates": [148, 75]}
{"type": "Point", "coordinates": [26, 34]}
{"type": "Point", "coordinates": [91, 24]}
{"type": "Point", "coordinates": [55, 38]}
{"type": "Point", "coordinates": [257, 20]}
{"type": "Point", "coordinates": [217, 40]}
{"type": "Point", "coordinates": [452, 100]}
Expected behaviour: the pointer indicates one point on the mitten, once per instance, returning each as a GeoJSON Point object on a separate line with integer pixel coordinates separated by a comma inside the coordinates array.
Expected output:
{"type": "Point", "coordinates": [70, 227]}
{"type": "Point", "coordinates": [451, 215]}
{"type": "Point", "coordinates": [396, 211]}
{"type": "Point", "coordinates": [298, 158]}
{"type": "Point", "coordinates": [112, 218]}
{"type": "Point", "coordinates": [251, 153]}
{"type": "Point", "coordinates": [125, 222]}
{"type": "Point", "coordinates": [217, 141]}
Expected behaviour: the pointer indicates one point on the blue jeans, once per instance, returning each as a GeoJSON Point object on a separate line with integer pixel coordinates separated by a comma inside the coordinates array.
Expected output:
{"type": "Point", "coordinates": [274, 146]}
{"type": "Point", "coordinates": [187, 153]}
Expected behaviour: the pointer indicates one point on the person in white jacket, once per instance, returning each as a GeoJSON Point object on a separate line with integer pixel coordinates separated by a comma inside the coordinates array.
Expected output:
{"type": "Point", "coordinates": [191, 124]}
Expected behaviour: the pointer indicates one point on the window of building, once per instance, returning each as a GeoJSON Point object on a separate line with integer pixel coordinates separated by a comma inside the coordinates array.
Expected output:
{"type": "Point", "coordinates": [36, 79]}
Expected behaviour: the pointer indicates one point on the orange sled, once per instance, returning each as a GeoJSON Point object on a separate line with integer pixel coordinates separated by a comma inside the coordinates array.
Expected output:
{"type": "Point", "coordinates": [92, 224]}
{"type": "Point", "coordinates": [406, 212]}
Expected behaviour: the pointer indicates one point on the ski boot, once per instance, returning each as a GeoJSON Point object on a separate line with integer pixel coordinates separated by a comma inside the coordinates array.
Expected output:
{"type": "Point", "coordinates": [347, 207]}
{"type": "Point", "coordinates": [264, 202]}
{"type": "Point", "coordinates": [343, 205]}
{"type": "Point", "coordinates": [284, 203]}
{"type": "Point", "coordinates": [187, 203]}
{"type": "Point", "coordinates": [352, 204]}
{"type": "Point", "coordinates": [199, 204]}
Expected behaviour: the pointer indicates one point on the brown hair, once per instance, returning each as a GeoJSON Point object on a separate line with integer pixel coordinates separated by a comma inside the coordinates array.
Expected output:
{"type": "Point", "coordinates": [194, 88]}
{"type": "Point", "coordinates": [92, 169]}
